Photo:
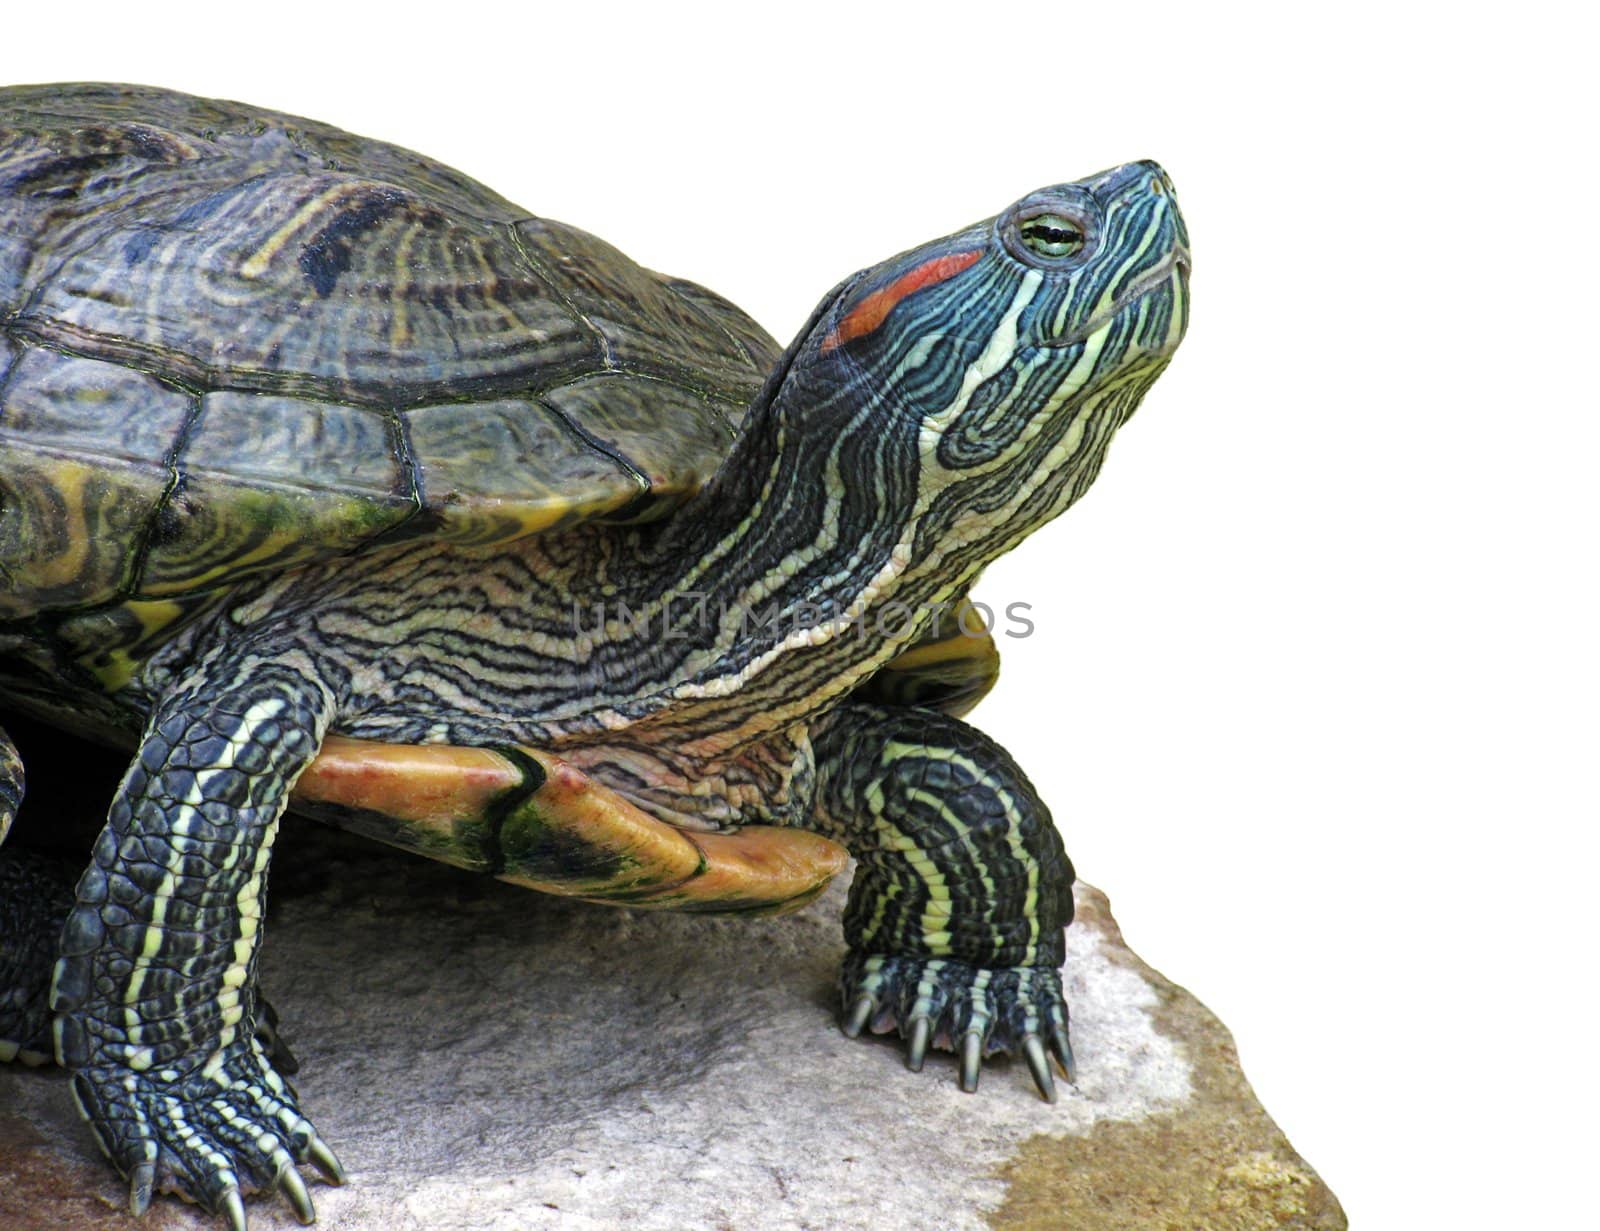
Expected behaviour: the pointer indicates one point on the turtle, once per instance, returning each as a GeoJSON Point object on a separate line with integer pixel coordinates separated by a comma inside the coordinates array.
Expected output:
{"type": "Point", "coordinates": [332, 480]}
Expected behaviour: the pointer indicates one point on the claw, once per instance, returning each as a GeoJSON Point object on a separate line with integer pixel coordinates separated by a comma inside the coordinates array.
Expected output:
{"type": "Point", "coordinates": [277, 1051]}
{"type": "Point", "coordinates": [918, 1047]}
{"type": "Point", "coordinates": [971, 1057]}
{"type": "Point", "coordinates": [859, 1012]}
{"type": "Point", "coordinates": [324, 1160]}
{"type": "Point", "coordinates": [272, 1042]}
{"type": "Point", "coordinates": [1039, 1067]}
{"type": "Point", "coordinates": [1061, 1046]}
{"type": "Point", "coordinates": [295, 1189]}
{"type": "Point", "coordinates": [141, 1185]}
{"type": "Point", "coordinates": [233, 1208]}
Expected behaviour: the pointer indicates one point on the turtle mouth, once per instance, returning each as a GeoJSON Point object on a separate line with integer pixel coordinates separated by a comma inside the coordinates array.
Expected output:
{"type": "Point", "coordinates": [1176, 263]}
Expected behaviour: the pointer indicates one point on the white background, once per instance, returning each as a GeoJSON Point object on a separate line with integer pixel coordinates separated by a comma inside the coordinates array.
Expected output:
{"type": "Point", "coordinates": [1313, 685]}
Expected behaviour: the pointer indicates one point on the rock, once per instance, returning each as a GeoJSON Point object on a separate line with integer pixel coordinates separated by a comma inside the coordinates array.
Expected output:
{"type": "Point", "coordinates": [483, 1057]}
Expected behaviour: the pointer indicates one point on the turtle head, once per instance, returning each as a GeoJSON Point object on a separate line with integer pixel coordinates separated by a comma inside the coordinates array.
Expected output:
{"type": "Point", "coordinates": [998, 361]}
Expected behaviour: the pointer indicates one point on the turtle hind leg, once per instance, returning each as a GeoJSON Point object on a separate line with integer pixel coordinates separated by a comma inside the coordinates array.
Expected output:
{"type": "Point", "coordinates": [11, 783]}
{"type": "Point", "coordinates": [154, 993]}
{"type": "Point", "coordinates": [962, 892]}
{"type": "Point", "coordinates": [35, 896]}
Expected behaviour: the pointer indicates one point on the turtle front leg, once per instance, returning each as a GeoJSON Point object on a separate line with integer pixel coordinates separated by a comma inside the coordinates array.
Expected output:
{"type": "Point", "coordinates": [155, 989]}
{"type": "Point", "coordinates": [962, 892]}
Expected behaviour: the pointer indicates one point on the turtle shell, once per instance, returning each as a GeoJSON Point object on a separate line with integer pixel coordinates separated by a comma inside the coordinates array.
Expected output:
{"type": "Point", "coordinates": [235, 342]}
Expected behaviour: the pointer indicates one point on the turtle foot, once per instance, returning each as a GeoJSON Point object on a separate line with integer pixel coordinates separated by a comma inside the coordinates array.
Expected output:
{"type": "Point", "coordinates": [210, 1137]}
{"type": "Point", "coordinates": [974, 1010]}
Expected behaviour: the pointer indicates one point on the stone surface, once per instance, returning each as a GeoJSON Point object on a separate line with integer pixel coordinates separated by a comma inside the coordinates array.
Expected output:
{"type": "Point", "coordinates": [483, 1057]}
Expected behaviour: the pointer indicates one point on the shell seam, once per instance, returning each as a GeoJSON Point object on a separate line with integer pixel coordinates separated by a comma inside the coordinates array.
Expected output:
{"type": "Point", "coordinates": [608, 359]}
{"type": "Point", "coordinates": [147, 536]}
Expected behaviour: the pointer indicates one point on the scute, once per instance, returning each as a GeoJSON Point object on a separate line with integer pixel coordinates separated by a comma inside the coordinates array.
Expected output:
{"type": "Point", "coordinates": [625, 415]}
{"type": "Point", "coordinates": [83, 473]}
{"type": "Point", "coordinates": [273, 482]}
{"type": "Point", "coordinates": [324, 285]}
{"type": "Point", "coordinates": [645, 324]}
{"type": "Point", "coordinates": [495, 471]}
{"type": "Point", "coordinates": [214, 289]}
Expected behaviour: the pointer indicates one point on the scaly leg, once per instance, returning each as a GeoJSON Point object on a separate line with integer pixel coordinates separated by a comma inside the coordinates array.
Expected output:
{"type": "Point", "coordinates": [34, 899]}
{"type": "Point", "coordinates": [155, 989]}
{"type": "Point", "coordinates": [35, 896]}
{"type": "Point", "coordinates": [962, 891]}
{"type": "Point", "coordinates": [11, 783]}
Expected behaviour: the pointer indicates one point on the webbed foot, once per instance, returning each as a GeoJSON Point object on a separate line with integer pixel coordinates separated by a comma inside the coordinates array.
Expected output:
{"type": "Point", "coordinates": [973, 1010]}
{"type": "Point", "coordinates": [210, 1137]}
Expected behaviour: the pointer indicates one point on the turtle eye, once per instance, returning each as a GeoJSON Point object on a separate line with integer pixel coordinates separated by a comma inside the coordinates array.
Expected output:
{"type": "Point", "coordinates": [1052, 235]}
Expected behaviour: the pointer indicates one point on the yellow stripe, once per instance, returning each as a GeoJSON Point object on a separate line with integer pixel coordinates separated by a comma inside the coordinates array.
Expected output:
{"type": "Point", "coordinates": [262, 257]}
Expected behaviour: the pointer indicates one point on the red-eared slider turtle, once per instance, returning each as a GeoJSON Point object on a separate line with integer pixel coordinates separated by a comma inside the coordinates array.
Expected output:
{"type": "Point", "coordinates": [326, 473]}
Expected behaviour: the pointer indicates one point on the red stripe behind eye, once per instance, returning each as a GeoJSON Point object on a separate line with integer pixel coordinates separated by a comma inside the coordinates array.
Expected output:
{"type": "Point", "coordinates": [871, 311]}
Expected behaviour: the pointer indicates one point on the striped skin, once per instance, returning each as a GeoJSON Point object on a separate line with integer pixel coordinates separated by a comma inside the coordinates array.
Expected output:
{"type": "Point", "coordinates": [935, 410]}
{"type": "Point", "coordinates": [838, 500]}
{"type": "Point", "coordinates": [962, 891]}
{"type": "Point", "coordinates": [154, 993]}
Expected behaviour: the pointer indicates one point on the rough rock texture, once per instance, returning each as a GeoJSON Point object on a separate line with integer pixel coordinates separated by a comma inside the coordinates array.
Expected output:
{"type": "Point", "coordinates": [486, 1058]}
